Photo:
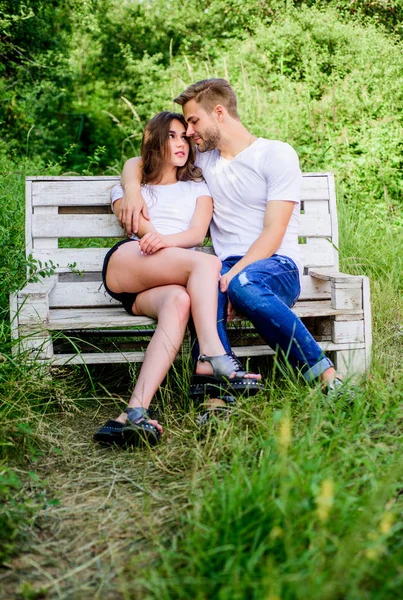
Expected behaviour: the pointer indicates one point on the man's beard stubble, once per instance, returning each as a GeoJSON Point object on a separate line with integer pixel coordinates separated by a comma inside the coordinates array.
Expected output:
{"type": "Point", "coordinates": [210, 140]}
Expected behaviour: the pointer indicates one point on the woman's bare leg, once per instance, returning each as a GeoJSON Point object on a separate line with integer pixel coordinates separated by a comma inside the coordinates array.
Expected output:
{"type": "Point", "coordinates": [170, 305]}
{"type": "Point", "coordinates": [130, 271]}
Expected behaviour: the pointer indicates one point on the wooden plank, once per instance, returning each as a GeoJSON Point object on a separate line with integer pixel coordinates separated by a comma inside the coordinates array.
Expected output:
{"type": "Point", "coordinates": [67, 192]}
{"type": "Point", "coordinates": [308, 193]}
{"type": "Point", "coordinates": [92, 318]}
{"type": "Point", "coordinates": [335, 276]}
{"type": "Point", "coordinates": [317, 252]}
{"type": "Point", "coordinates": [76, 226]}
{"type": "Point", "coordinates": [28, 219]}
{"type": "Point", "coordinates": [367, 320]}
{"type": "Point", "coordinates": [314, 289]}
{"type": "Point", "coordinates": [315, 225]}
{"type": "Point", "coordinates": [86, 259]}
{"type": "Point", "coordinates": [348, 331]}
{"type": "Point", "coordinates": [127, 357]}
{"type": "Point", "coordinates": [85, 294]}
{"type": "Point", "coordinates": [92, 293]}
{"type": "Point", "coordinates": [316, 207]}
{"type": "Point", "coordinates": [43, 213]}
{"type": "Point", "coordinates": [333, 219]}
{"type": "Point", "coordinates": [97, 193]}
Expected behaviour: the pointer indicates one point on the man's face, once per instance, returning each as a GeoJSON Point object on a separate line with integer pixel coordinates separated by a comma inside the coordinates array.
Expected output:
{"type": "Point", "coordinates": [201, 126]}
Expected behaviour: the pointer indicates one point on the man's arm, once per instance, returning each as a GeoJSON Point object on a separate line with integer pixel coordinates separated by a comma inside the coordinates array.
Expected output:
{"type": "Point", "coordinates": [144, 226]}
{"type": "Point", "coordinates": [277, 216]}
{"type": "Point", "coordinates": [132, 204]}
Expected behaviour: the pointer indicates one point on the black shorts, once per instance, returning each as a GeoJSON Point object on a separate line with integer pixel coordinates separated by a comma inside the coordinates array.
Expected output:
{"type": "Point", "coordinates": [125, 298]}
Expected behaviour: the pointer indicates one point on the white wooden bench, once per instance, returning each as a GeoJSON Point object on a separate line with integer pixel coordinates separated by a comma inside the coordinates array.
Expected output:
{"type": "Point", "coordinates": [68, 318]}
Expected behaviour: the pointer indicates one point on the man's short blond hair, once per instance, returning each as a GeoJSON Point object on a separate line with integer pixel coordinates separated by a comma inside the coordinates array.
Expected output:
{"type": "Point", "coordinates": [210, 92]}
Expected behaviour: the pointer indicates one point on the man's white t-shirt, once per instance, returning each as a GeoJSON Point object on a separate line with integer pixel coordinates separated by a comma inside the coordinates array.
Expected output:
{"type": "Point", "coordinates": [241, 188]}
{"type": "Point", "coordinates": [171, 207]}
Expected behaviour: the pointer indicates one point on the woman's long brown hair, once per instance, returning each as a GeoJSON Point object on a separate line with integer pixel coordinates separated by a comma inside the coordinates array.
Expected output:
{"type": "Point", "coordinates": [154, 150]}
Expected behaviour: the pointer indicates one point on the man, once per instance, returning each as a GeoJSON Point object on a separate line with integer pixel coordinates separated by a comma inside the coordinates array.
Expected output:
{"type": "Point", "coordinates": [255, 184]}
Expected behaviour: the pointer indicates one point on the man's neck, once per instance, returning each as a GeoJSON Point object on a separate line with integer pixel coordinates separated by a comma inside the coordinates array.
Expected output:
{"type": "Point", "coordinates": [235, 139]}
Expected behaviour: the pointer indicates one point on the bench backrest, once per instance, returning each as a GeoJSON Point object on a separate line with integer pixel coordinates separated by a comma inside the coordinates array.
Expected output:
{"type": "Point", "coordinates": [60, 211]}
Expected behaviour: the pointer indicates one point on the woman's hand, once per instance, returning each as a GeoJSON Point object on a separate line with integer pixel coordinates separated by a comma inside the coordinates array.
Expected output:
{"type": "Point", "coordinates": [131, 206]}
{"type": "Point", "coordinates": [151, 242]}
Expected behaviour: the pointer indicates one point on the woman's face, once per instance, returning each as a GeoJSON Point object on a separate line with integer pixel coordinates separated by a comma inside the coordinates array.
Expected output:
{"type": "Point", "coordinates": [178, 145]}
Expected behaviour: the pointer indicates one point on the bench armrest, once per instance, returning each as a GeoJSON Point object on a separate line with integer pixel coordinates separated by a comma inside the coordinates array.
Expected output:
{"type": "Point", "coordinates": [334, 276]}
{"type": "Point", "coordinates": [346, 290]}
{"type": "Point", "coordinates": [33, 301]}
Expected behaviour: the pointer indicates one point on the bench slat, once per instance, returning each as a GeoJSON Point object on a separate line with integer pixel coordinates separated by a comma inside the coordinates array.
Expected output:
{"type": "Point", "coordinates": [128, 357]}
{"type": "Point", "coordinates": [95, 192]}
{"type": "Point", "coordinates": [91, 318]}
{"type": "Point", "coordinates": [92, 293]}
{"type": "Point", "coordinates": [106, 225]}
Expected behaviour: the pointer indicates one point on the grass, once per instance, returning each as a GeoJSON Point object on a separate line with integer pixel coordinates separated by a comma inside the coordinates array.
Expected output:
{"type": "Point", "coordinates": [294, 497]}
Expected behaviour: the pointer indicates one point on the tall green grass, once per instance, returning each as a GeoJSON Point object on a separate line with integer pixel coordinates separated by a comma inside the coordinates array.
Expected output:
{"type": "Point", "coordinates": [295, 497]}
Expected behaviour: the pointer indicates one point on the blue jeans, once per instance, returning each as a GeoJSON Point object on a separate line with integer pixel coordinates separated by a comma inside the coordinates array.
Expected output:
{"type": "Point", "coordinates": [263, 293]}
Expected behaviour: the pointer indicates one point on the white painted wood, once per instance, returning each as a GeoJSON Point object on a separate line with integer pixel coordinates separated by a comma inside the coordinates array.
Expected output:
{"type": "Point", "coordinates": [90, 293]}
{"type": "Point", "coordinates": [14, 324]}
{"type": "Point", "coordinates": [315, 225]}
{"type": "Point", "coordinates": [86, 259]}
{"type": "Point", "coordinates": [347, 295]}
{"type": "Point", "coordinates": [82, 192]}
{"type": "Point", "coordinates": [317, 252]}
{"type": "Point", "coordinates": [43, 241]}
{"type": "Point", "coordinates": [333, 219]}
{"type": "Point", "coordinates": [334, 275]}
{"type": "Point", "coordinates": [350, 364]}
{"type": "Point", "coordinates": [314, 289]}
{"type": "Point", "coordinates": [116, 316]}
{"type": "Point", "coordinates": [76, 226]}
{"type": "Point", "coordinates": [41, 288]}
{"type": "Point", "coordinates": [28, 218]}
{"type": "Point", "coordinates": [128, 357]}
{"type": "Point", "coordinates": [347, 331]}
{"type": "Point", "coordinates": [37, 347]}
{"type": "Point", "coordinates": [314, 194]}
{"type": "Point", "coordinates": [315, 207]}
{"type": "Point", "coordinates": [366, 295]}
{"type": "Point", "coordinates": [89, 318]}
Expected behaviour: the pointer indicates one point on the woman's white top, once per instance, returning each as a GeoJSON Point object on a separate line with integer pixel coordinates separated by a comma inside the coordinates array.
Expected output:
{"type": "Point", "coordinates": [171, 207]}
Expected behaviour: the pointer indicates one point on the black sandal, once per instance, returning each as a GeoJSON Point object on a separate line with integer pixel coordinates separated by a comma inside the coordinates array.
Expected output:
{"type": "Point", "coordinates": [138, 429]}
{"type": "Point", "coordinates": [220, 383]}
{"type": "Point", "coordinates": [221, 413]}
{"type": "Point", "coordinates": [109, 434]}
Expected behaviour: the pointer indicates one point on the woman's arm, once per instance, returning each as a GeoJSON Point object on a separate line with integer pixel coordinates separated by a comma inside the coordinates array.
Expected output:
{"type": "Point", "coordinates": [144, 226]}
{"type": "Point", "coordinates": [132, 205]}
{"type": "Point", "coordinates": [194, 236]}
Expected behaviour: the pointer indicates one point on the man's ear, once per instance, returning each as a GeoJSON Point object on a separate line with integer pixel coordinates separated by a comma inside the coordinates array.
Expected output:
{"type": "Point", "coordinates": [219, 112]}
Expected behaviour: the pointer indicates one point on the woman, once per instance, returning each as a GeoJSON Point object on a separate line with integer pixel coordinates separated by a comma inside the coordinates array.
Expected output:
{"type": "Point", "coordinates": [158, 276]}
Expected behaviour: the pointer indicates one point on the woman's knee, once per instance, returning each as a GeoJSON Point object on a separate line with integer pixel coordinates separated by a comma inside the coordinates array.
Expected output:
{"type": "Point", "coordinates": [209, 261]}
{"type": "Point", "coordinates": [178, 302]}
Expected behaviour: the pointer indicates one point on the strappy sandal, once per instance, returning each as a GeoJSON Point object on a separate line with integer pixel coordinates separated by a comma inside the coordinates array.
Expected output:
{"type": "Point", "coordinates": [110, 434]}
{"type": "Point", "coordinates": [220, 382]}
{"type": "Point", "coordinates": [221, 412]}
{"type": "Point", "coordinates": [138, 428]}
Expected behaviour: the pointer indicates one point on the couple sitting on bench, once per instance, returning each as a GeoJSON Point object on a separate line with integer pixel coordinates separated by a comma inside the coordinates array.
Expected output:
{"type": "Point", "coordinates": [199, 170]}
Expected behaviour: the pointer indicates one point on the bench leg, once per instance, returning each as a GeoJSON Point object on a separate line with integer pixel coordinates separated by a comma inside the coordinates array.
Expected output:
{"type": "Point", "coordinates": [350, 364]}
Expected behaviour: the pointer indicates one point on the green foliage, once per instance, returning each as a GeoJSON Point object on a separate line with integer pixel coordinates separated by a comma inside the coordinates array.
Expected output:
{"type": "Point", "coordinates": [78, 81]}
